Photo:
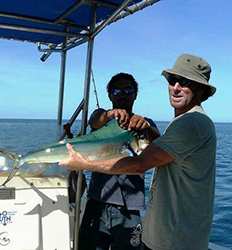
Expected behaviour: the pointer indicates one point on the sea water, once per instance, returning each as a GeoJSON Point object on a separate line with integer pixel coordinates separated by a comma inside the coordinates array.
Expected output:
{"type": "Point", "coordinates": [23, 135]}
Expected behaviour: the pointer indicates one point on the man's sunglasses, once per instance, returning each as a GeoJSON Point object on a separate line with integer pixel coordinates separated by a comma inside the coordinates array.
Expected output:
{"type": "Point", "coordinates": [172, 80]}
{"type": "Point", "coordinates": [125, 91]}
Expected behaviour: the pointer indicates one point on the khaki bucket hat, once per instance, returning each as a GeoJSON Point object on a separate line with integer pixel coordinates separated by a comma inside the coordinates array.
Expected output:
{"type": "Point", "coordinates": [193, 68]}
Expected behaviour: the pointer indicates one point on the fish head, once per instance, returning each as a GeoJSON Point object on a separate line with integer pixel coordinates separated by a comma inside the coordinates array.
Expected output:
{"type": "Point", "coordinates": [138, 145]}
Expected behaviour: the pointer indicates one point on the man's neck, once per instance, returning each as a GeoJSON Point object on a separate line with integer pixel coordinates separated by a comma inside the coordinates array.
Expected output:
{"type": "Point", "coordinates": [186, 109]}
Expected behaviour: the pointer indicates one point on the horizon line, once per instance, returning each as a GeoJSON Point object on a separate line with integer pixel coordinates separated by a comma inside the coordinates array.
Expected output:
{"type": "Point", "coordinates": [65, 119]}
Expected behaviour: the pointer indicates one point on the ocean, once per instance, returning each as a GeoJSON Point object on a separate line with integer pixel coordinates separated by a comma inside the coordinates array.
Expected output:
{"type": "Point", "coordinates": [23, 135]}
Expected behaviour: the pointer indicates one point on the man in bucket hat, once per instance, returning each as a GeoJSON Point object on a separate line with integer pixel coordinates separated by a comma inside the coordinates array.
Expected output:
{"type": "Point", "coordinates": [180, 209]}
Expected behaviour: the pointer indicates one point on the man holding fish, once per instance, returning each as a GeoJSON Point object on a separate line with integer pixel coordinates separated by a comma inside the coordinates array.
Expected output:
{"type": "Point", "coordinates": [112, 213]}
{"type": "Point", "coordinates": [180, 210]}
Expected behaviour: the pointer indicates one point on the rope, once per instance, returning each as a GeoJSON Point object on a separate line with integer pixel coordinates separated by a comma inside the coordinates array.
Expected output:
{"type": "Point", "coordinates": [95, 90]}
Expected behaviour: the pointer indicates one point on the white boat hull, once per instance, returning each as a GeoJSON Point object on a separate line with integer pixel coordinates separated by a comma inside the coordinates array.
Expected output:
{"type": "Point", "coordinates": [37, 218]}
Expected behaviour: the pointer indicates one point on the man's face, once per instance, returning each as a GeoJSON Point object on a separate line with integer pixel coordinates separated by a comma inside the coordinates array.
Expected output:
{"type": "Point", "coordinates": [181, 94]}
{"type": "Point", "coordinates": [122, 95]}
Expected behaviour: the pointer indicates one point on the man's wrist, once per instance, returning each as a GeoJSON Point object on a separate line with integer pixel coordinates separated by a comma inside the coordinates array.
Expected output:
{"type": "Point", "coordinates": [108, 115]}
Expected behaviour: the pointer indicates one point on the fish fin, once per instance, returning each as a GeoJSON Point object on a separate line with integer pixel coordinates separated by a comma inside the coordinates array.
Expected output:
{"type": "Point", "coordinates": [128, 146]}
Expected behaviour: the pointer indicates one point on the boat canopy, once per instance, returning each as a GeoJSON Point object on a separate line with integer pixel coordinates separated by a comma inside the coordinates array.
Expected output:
{"type": "Point", "coordinates": [59, 25]}
{"type": "Point", "coordinates": [58, 21]}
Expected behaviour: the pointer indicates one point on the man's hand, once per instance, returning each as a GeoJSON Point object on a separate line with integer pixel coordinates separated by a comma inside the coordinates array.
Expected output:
{"type": "Point", "coordinates": [138, 122]}
{"type": "Point", "coordinates": [67, 130]}
{"type": "Point", "coordinates": [119, 114]}
{"type": "Point", "coordinates": [75, 161]}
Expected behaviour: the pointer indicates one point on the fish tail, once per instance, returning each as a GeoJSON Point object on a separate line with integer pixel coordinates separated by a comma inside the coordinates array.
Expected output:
{"type": "Point", "coordinates": [16, 163]}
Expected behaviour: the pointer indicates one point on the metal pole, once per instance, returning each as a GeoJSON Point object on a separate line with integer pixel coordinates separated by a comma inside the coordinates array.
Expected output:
{"type": "Point", "coordinates": [84, 124]}
{"type": "Point", "coordinates": [111, 18]}
{"type": "Point", "coordinates": [73, 118]}
{"type": "Point", "coordinates": [87, 79]}
{"type": "Point", "coordinates": [61, 88]}
{"type": "Point", "coordinates": [37, 30]}
{"type": "Point", "coordinates": [134, 8]}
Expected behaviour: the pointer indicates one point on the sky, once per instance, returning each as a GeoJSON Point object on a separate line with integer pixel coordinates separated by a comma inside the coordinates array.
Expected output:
{"type": "Point", "coordinates": [142, 44]}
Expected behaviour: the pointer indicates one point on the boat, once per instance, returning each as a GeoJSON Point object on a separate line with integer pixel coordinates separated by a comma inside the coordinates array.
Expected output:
{"type": "Point", "coordinates": [35, 212]}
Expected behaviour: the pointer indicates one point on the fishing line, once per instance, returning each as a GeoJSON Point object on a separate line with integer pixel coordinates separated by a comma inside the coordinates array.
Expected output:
{"type": "Point", "coordinates": [95, 89]}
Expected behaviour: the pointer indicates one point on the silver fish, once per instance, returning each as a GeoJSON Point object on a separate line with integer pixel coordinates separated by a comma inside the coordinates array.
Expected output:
{"type": "Point", "coordinates": [108, 142]}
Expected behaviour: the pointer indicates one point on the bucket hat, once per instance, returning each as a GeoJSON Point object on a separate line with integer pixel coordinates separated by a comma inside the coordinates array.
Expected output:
{"type": "Point", "coordinates": [193, 68]}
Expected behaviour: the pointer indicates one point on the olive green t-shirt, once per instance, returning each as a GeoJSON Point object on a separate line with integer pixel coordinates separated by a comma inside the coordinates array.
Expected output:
{"type": "Point", "coordinates": [180, 210]}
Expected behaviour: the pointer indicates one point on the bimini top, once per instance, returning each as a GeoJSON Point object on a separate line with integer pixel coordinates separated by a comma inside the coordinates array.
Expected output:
{"type": "Point", "coordinates": [56, 21]}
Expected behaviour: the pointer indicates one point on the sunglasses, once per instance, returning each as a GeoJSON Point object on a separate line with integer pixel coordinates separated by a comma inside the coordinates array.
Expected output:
{"type": "Point", "coordinates": [172, 80]}
{"type": "Point", "coordinates": [125, 91]}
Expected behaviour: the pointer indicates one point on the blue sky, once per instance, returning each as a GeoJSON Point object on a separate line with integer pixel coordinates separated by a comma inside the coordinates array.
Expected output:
{"type": "Point", "coordinates": [142, 44]}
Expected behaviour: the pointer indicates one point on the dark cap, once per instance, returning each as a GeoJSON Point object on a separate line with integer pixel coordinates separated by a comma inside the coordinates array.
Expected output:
{"type": "Point", "coordinates": [193, 68]}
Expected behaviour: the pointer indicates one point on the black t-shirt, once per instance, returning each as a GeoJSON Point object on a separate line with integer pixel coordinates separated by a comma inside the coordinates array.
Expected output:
{"type": "Point", "coordinates": [123, 190]}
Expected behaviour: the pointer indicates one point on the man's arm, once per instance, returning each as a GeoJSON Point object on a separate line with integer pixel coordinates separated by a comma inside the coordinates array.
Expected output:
{"type": "Point", "coordinates": [98, 118]}
{"type": "Point", "coordinates": [151, 156]}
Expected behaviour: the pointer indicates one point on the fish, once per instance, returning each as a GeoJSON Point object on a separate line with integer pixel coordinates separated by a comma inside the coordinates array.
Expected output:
{"type": "Point", "coordinates": [110, 141]}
